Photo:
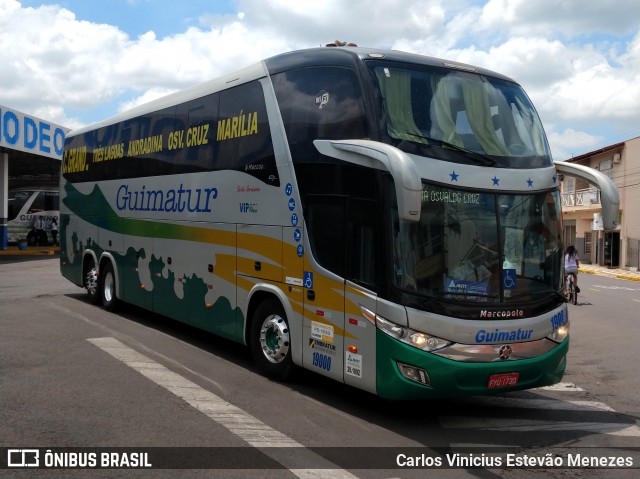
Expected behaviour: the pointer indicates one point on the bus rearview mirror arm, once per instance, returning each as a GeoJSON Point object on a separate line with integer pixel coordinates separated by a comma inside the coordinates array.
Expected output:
{"type": "Point", "coordinates": [610, 198]}
{"type": "Point", "coordinates": [372, 154]}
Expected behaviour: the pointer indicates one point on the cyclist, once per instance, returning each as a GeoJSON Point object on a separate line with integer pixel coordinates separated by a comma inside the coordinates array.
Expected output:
{"type": "Point", "coordinates": [571, 264]}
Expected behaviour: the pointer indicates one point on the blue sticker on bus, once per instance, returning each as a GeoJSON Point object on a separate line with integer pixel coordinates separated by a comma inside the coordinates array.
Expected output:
{"type": "Point", "coordinates": [509, 278]}
{"type": "Point", "coordinates": [297, 235]}
{"type": "Point", "coordinates": [292, 204]}
{"type": "Point", "coordinates": [288, 189]}
{"type": "Point", "coordinates": [321, 361]}
{"type": "Point", "coordinates": [294, 219]}
{"type": "Point", "coordinates": [308, 279]}
{"type": "Point", "coordinates": [300, 250]}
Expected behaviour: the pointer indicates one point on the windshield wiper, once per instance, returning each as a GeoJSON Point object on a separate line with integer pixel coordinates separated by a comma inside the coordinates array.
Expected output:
{"type": "Point", "coordinates": [477, 157]}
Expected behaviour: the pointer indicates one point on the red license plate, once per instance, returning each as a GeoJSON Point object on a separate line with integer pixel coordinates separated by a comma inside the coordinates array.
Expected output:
{"type": "Point", "coordinates": [503, 380]}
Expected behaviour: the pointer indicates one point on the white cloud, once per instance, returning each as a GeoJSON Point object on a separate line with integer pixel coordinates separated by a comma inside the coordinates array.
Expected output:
{"type": "Point", "coordinates": [571, 142]}
{"type": "Point", "coordinates": [579, 61]}
{"type": "Point", "coordinates": [566, 17]}
{"type": "Point", "coordinates": [147, 96]}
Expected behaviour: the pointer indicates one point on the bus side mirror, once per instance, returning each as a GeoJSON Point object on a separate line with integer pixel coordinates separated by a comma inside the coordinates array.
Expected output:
{"type": "Point", "coordinates": [609, 196]}
{"type": "Point", "coordinates": [372, 154]}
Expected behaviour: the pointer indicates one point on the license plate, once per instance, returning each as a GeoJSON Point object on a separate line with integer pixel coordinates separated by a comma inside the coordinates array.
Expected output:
{"type": "Point", "coordinates": [503, 380]}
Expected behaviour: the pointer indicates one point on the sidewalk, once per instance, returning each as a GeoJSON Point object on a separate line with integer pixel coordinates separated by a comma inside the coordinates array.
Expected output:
{"type": "Point", "coordinates": [611, 272]}
{"type": "Point", "coordinates": [13, 250]}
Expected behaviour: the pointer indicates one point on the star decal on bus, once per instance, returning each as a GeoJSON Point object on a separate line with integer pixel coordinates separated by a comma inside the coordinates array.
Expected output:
{"type": "Point", "coordinates": [496, 181]}
{"type": "Point", "coordinates": [454, 176]}
{"type": "Point", "coordinates": [530, 183]}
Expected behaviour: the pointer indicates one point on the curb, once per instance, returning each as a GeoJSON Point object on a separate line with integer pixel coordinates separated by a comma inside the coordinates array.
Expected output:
{"type": "Point", "coordinates": [32, 251]}
{"type": "Point", "coordinates": [611, 273]}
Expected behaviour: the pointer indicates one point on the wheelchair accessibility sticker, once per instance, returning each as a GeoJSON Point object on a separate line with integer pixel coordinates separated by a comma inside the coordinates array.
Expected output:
{"type": "Point", "coordinates": [308, 279]}
{"type": "Point", "coordinates": [509, 278]}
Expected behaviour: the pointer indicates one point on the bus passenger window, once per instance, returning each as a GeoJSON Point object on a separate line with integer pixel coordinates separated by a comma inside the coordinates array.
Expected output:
{"type": "Point", "coordinates": [319, 103]}
{"type": "Point", "coordinates": [242, 133]}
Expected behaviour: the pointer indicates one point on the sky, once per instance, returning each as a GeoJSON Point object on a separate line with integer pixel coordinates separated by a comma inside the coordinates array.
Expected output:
{"type": "Point", "coordinates": [75, 62]}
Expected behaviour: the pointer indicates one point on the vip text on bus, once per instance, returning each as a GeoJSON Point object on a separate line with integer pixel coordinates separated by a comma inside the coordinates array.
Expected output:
{"type": "Point", "coordinates": [389, 220]}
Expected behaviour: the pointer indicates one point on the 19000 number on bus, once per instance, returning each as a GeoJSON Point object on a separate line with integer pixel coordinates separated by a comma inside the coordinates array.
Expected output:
{"type": "Point", "coordinates": [322, 361]}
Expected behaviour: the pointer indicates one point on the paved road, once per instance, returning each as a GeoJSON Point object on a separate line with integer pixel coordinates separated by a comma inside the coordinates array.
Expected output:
{"type": "Point", "coordinates": [73, 375]}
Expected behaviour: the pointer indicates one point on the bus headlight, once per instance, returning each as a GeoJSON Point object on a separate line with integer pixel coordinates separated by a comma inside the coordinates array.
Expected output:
{"type": "Point", "coordinates": [560, 334]}
{"type": "Point", "coordinates": [417, 339]}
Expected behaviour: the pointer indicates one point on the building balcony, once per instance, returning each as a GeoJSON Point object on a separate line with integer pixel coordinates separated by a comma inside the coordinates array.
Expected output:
{"type": "Point", "coordinates": [581, 200]}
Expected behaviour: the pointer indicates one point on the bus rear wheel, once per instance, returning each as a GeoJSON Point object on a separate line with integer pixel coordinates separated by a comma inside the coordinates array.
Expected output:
{"type": "Point", "coordinates": [270, 341]}
{"type": "Point", "coordinates": [91, 282]}
{"type": "Point", "coordinates": [108, 287]}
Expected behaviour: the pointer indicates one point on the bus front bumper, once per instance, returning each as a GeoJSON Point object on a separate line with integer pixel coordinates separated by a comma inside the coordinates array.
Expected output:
{"type": "Point", "coordinates": [435, 377]}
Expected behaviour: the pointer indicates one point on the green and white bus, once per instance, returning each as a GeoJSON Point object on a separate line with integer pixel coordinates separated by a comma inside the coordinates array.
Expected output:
{"type": "Point", "coordinates": [27, 205]}
{"type": "Point", "coordinates": [385, 219]}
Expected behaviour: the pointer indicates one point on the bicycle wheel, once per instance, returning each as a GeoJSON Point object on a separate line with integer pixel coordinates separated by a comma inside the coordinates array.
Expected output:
{"type": "Point", "coordinates": [573, 297]}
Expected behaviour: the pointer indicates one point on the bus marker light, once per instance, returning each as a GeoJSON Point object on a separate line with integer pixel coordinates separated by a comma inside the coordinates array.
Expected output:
{"type": "Point", "coordinates": [357, 322]}
{"type": "Point", "coordinates": [208, 305]}
{"type": "Point", "coordinates": [352, 349]}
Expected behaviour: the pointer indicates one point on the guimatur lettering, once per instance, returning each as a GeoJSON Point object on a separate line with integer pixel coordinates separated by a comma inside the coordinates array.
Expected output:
{"type": "Point", "coordinates": [483, 336]}
{"type": "Point", "coordinates": [198, 200]}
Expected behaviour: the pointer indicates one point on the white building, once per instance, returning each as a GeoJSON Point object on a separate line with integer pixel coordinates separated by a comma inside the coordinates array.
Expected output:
{"type": "Point", "coordinates": [30, 152]}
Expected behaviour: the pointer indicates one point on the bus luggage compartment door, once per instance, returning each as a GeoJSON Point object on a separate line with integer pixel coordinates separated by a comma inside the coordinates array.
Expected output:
{"type": "Point", "coordinates": [260, 251]}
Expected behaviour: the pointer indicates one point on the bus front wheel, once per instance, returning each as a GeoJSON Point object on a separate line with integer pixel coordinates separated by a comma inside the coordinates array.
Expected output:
{"type": "Point", "coordinates": [270, 341]}
{"type": "Point", "coordinates": [108, 287]}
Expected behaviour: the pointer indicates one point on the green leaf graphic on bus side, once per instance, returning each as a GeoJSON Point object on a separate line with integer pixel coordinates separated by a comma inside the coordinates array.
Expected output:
{"type": "Point", "coordinates": [96, 210]}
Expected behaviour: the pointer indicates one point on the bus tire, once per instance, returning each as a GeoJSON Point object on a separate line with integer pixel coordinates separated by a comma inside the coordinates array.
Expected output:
{"type": "Point", "coordinates": [108, 287]}
{"type": "Point", "coordinates": [91, 282]}
{"type": "Point", "coordinates": [270, 342]}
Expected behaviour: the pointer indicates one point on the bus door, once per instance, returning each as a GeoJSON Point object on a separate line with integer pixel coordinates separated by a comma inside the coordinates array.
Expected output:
{"type": "Point", "coordinates": [323, 283]}
{"type": "Point", "coordinates": [342, 234]}
{"type": "Point", "coordinates": [362, 269]}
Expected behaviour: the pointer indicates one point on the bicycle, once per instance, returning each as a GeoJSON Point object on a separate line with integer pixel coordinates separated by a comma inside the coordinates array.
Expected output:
{"type": "Point", "coordinates": [570, 288]}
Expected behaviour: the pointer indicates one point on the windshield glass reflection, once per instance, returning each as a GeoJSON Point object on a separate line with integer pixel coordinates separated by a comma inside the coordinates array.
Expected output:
{"type": "Point", "coordinates": [479, 247]}
{"type": "Point", "coordinates": [437, 111]}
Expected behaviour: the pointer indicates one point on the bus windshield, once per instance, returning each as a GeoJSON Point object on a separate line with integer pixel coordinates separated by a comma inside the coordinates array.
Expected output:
{"type": "Point", "coordinates": [17, 200]}
{"type": "Point", "coordinates": [460, 116]}
{"type": "Point", "coordinates": [479, 247]}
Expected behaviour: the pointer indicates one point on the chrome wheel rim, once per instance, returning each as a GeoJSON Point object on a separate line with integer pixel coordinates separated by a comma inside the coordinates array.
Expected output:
{"type": "Point", "coordinates": [91, 281]}
{"type": "Point", "coordinates": [274, 338]}
{"type": "Point", "coordinates": [108, 287]}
